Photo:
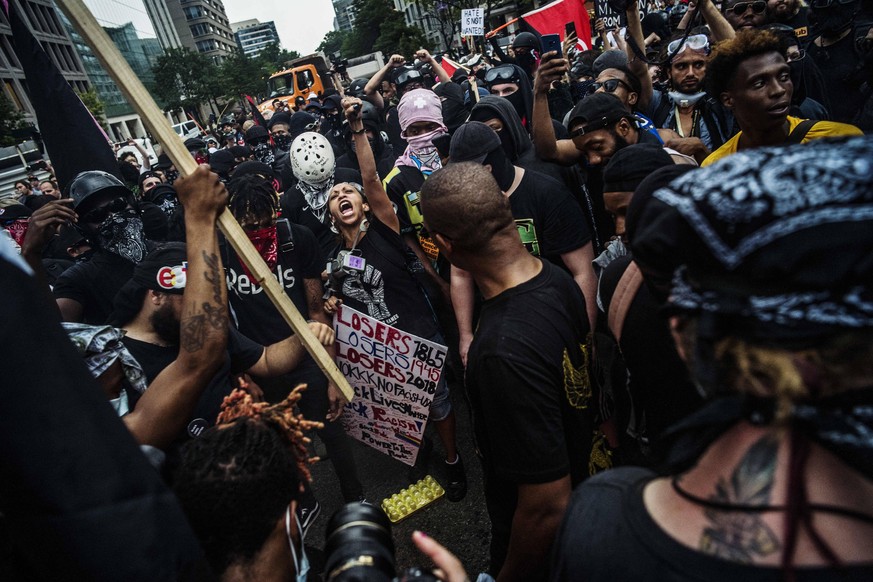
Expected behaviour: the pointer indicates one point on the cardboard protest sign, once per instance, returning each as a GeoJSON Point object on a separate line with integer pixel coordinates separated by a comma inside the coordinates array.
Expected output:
{"type": "Point", "coordinates": [610, 17]}
{"type": "Point", "coordinates": [473, 22]}
{"type": "Point", "coordinates": [394, 375]}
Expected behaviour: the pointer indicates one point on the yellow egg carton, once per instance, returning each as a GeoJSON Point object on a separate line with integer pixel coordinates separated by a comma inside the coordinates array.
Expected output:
{"type": "Point", "coordinates": [415, 497]}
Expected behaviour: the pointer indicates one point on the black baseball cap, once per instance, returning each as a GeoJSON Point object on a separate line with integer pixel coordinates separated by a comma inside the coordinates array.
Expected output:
{"type": "Point", "coordinates": [472, 142]}
{"type": "Point", "coordinates": [597, 111]}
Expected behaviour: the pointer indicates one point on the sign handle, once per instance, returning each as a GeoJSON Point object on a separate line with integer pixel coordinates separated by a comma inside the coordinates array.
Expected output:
{"type": "Point", "coordinates": [160, 128]}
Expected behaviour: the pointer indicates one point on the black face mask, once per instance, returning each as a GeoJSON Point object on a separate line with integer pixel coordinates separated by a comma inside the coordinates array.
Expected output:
{"type": "Point", "coordinates": [172, 176]}
{"type": "Point", "coordinates": [263, 152]}
{"type": "Point", "coordinates": [517, 100]}
{"type": "Point", "coordinates": [832, 20]}
{"type": "Point", "coordinates": [122, 233]}
{"type": "Point", "coordinates": [283, 142]}
{"type": "Point", "coordinates": [527, 62]}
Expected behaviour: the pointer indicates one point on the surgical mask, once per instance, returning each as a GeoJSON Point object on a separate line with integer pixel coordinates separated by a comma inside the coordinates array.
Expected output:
{"type": "Point", "coordinates": [121, 404]}
{"type": "Point", "coordinates": [122, 233]}
{"type": "Point", "coordinates": [301, 566]}
{"type": "Point", "coordinates": [264, 153]}
{"type": "Point", "coordinates": [684, 99]}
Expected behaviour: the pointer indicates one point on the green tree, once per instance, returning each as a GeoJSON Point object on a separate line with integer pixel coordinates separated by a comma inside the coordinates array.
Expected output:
{"type": "Point", "coordinates": [332, 42]}
{"type": "Point", "coordinates": [92, 101]}
{"type": "Point", "coordinates": [240, 75]}
{"type": "Point", "coordinates": [185, 79]}
{"type": "Point", "coordinates": [378, 27]}
{"type": "Point", "coordinates": [11, 119]}
{"type": "Point", "coordinates": [273, 58]}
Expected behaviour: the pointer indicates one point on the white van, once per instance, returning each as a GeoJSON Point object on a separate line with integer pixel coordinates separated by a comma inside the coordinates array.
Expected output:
{"type": "Point", "coordinates": [187, 130]}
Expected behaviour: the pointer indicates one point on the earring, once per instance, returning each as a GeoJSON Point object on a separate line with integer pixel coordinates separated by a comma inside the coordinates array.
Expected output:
{"type": "Point", "coordinates": [333, 228]}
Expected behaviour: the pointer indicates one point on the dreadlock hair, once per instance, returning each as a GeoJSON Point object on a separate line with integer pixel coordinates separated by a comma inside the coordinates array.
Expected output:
{"type": "Point", "coordinates": [236, 480]}
{"type": "Point", "coordinates": [728, 55]}
{"type": "Point", "coordinates": [252, 195]}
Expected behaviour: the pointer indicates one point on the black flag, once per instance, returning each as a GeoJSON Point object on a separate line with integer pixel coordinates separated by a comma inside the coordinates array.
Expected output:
{"type": "Point", "coordinates": [73, 138]}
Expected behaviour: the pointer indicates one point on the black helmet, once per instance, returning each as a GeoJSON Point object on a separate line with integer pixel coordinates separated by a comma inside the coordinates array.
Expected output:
{"type": "Point", "coordinates": [356, 88]}
{"type": "Point", "coordinates": [195, 143]}
{"type": "Point", "coordinates": [369, 113]}
{"type": "Point", "coordinates": [527, 40]}
{"type": "Point", "coordinates": [87, 184]}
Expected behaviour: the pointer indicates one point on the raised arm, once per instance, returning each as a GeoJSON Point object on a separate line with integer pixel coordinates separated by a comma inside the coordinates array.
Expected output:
{"type": "Point", "coordinates": [719, 26]}
{"type": "Point", "coordinates": [165, 408]}
{"type": "Point", "coordinates": [437, 68]}
{"type": "Point", "coordinates": [146, 163]}
{"type": "Point", "coordinates": [376, 80]}
{"type": "Point", "coordinates": [547, 146]}
{"type": "Point", "coordinates": [377, 198]}
{"type": "Point", "coordinates": [637, 65]}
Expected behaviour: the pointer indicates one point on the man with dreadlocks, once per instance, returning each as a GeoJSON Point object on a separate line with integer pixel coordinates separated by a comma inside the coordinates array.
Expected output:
{"type": "Point", "coordinates": [239, 484]}
{"type": "Point", "coordinates": [292, 253]}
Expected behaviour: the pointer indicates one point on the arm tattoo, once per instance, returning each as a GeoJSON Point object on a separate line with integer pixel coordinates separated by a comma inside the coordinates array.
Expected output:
{"type": "Point", "coordinates": [193, 333]}
{"type": "Point", "coordinates": [216, 311]}
{"type": "Point", "coordinates": [741, 536]}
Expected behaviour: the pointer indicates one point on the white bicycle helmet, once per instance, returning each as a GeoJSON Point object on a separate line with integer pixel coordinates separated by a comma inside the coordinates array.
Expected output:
{"type": "Point", "coordinates": [312, 159]}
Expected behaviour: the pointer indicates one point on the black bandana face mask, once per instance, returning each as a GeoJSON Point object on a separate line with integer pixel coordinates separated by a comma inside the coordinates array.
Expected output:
{"type": "Point", "coordinates": [122, 233]}
{"type": "Point", "coordinates": [283, 142]}
{"type": "Point", "coordinates": [264, 153]}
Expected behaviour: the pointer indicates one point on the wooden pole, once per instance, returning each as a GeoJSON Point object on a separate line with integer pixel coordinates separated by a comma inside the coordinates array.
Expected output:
{"type": "Point", "coordinates": [136, 94]}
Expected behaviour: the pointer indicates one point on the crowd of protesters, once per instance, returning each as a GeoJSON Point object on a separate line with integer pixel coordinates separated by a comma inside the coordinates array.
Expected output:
{"type": "Point", "coordinates": [650, 261]}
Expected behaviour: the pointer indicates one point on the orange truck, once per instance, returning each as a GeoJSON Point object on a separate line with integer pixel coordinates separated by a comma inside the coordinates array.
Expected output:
{"type": "Point", "coordinates": [299, 78]}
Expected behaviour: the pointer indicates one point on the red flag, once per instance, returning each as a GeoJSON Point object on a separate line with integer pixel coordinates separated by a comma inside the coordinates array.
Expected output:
{"type": "Point", "coordinates": [449, 66]}
{"type": "Point", "coordinates": [552, 19]}
{"type": "Point", "coordinates": [258, 118]}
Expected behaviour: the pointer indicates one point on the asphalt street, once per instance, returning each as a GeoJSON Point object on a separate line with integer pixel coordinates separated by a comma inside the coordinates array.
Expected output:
{"type": "Point", "coordinates": [463, 527]}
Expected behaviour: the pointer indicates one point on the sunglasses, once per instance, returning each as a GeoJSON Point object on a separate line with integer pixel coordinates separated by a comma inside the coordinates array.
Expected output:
{"type": "Point", "coordinates": [505, 73]}
{"type": "Point", "coordinates": [695, 42]}
{"type": "Point", "coordinates": [609, 85]}
{"type": "Point", "coordinates": [740, 8]}
{"type": "Point", "coordinates": [98, 215]}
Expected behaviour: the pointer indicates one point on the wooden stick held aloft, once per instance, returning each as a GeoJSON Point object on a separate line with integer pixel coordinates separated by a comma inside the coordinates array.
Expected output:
{"type": "Point", "coordinates": [160, 128]}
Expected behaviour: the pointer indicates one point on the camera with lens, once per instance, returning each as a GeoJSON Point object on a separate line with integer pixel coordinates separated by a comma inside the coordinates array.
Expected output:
{"type": "Point", "coordinates": [359, 548]}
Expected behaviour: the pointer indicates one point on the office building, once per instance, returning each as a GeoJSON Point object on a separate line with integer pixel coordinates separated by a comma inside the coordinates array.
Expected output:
{"type": "Point", "coordinates": [162, 22]}
{"type": "Point", "coordinates": [43, 20]}
{"type": "Point", "coordinates": [253, 35]}
{"type": "Point", "coordinates": [345, 15]}
{"type": "Point", "coordinates": [202, 26]}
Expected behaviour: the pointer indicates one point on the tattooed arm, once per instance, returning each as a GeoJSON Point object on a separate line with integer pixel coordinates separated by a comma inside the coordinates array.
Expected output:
{"type": "Point", "coordinates": [166, 406]}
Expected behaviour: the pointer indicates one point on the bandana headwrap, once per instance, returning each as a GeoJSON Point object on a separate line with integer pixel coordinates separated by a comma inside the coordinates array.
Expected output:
{"type": "Point", "coordinates": [266, 242]}
{"type": "Point", "coordinates": [415, 106]}
{"type": "Point", "coordinates": [101, 346]}
{"type": "Point", "coordinates": [776, 244]}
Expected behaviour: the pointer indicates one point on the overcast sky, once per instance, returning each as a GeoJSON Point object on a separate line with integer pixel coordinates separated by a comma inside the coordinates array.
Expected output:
{"type": "Point", "coordinates": [301, 24]}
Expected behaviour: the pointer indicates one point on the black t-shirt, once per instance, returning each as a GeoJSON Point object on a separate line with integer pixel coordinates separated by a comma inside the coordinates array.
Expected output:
{"type": "Point", "coordinates": [837, 64]}
{"type": "Point", "coordinates": [403, 185]}
{"type": "Point", "coordinates": [387, 290]}
{"type": "Point", "coordinates": [256, 316]}
{"type": "Point", "coordinates": [528, 381]}
{"type": "Point", "coordinates": [242, 354]}
{"type": "Point", "coordinates": [608, 535]}
{"type": "Point", "coordinates": [296, 209]}
{"type": "Point", "coordinates": [659, 383]}
{"type": "Point", "coordinates": [549, 221]}
{"type": "Point", "coordinates": [94, 284]}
